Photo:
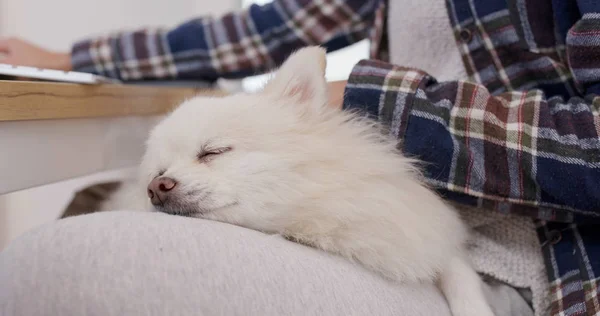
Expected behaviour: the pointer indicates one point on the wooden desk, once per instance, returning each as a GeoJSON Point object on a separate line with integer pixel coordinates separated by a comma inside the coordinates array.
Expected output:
{"type": "Point", "coordinates": [54, 131]}
{"type": "Point", "coordinates": [22, 100]}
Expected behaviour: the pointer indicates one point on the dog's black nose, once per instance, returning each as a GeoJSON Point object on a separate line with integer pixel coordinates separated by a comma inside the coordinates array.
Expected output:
{"type": "Point", "coordinates": [159, 190]}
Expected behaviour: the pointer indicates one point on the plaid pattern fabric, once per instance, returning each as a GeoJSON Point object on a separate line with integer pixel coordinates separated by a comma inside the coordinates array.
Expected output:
{"type": "Point", "coordinates": [514, 152]}
{"type": "Point", "coordinates": [584, 52]}
{"type": "Point", "coordinates": [572, 254]}
{"type": "Point", "coordinates": [233, 46]}
{"type": "Point", "coordinates": [514, 143]}
{"type": "Point", "coordinates": [510, 152]}
{"type": "Point", "coordinates": [503, 50]}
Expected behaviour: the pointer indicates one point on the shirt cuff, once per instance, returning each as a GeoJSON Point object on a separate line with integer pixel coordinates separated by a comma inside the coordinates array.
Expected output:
{"type": "Point", "coordinates": [384, 92]}
{"type": "Point", "coordinates": [138, 55]}
{"type": "Point", "coordinates": [94, 56]}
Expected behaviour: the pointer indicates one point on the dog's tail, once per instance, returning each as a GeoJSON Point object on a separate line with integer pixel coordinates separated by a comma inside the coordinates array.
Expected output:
{"type": "Point", "coordinates": [462, 287]}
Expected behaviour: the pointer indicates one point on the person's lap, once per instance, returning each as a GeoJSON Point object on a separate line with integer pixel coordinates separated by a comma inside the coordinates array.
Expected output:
{"type": "Point", "coordinates": [132, 263]}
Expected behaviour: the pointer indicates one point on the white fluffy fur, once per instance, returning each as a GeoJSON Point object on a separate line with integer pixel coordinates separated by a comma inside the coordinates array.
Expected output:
{"type": "Point", "coordinates": [312, 173]}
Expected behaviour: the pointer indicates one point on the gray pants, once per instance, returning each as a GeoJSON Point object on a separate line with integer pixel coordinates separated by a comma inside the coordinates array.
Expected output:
{"type": "Point", "coordinates": [134, 263]}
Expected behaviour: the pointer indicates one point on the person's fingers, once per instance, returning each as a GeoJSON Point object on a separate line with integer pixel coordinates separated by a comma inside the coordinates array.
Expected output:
{"type": "Point", "coordinates": [7, 60]}
{"type": "Point", "coordinates": [4, 45]}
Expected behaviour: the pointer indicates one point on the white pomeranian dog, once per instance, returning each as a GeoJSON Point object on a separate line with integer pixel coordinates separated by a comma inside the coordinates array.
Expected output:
{"type": "Point", "coordinates": [282, 161]}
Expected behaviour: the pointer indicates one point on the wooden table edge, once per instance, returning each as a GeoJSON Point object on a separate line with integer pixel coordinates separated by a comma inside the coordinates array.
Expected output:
{"type": "Point", "coordinates": [27, 100]}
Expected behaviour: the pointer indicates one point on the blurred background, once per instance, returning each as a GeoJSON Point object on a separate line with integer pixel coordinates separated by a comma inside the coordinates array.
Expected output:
{"type": "Point", "coordinates": [57, 24]}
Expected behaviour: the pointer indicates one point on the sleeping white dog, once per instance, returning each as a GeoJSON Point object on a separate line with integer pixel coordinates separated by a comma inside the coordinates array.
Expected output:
{"type": "Point", "coordinates": [282, 161]}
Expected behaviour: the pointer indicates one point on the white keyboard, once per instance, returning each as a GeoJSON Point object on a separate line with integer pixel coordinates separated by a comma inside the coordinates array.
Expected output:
{"type": "Point", "coordinates": [53, 75]}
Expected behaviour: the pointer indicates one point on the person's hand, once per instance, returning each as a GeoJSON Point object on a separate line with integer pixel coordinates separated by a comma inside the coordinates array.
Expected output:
{"type": "Point", "coordinates": [18, 52]}
{"type": "Point", "coordinates": [336, 93]}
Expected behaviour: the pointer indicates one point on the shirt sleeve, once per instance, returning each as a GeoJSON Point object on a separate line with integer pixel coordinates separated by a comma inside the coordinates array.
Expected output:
{"type": "Point", "coordinates": [516, 152]}
{"type": "Point", "coordinates": [583, 49]}
{"type": "Point", "coordinates": [235, 45]}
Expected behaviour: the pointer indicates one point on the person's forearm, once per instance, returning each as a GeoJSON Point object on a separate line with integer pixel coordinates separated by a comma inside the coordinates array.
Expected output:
{"type": "Point", "coordinates": [62, 61]}
{"type": "Point", "coordinates": [236, 45]}
{"type": "Point", "coordinates": [488, 150]}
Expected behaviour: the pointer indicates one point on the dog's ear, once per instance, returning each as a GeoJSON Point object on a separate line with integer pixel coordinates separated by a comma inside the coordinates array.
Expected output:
{"type": "Point", "coordinates": [301, 77]}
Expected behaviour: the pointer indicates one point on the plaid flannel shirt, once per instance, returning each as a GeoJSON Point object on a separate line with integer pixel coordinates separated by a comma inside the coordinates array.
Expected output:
{"type": "Point", "coordinates": [521, 136]}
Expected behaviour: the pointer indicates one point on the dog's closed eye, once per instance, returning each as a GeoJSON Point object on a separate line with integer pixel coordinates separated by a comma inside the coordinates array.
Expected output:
{"type": "Point", "coordinates": [207, 154]}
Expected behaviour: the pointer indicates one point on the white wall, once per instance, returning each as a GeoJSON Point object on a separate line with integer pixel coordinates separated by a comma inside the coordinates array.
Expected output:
{"type": "Point", "coordinates": [56, 24]}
